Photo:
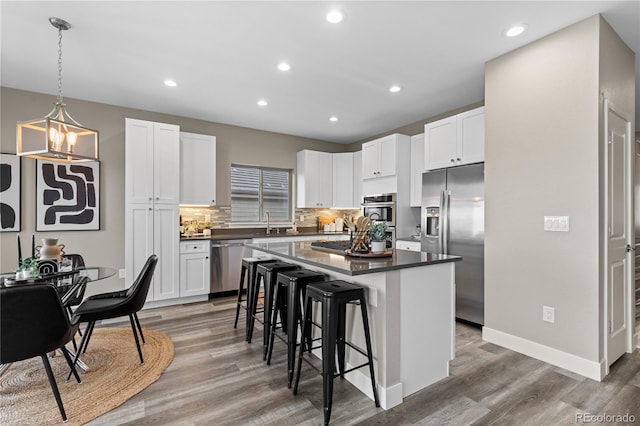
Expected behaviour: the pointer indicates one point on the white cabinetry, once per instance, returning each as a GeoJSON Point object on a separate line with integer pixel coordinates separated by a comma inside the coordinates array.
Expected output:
{"type": "Point", "coordinates": [152, 179]}
{"type": "Point", "coordinates": [417, 166]}
{"type": "Point", "coordinates": [197, 169]}
{"type": "Point", "coordinates": [408, 245]}
{"type": "Point", "coordinates": [357, 179]}
{"type": "Point", "coordinates": [379, 157]}
{"type": "Point", "coordinates": [455, 140]}
{"type": "Point", "coordinates": [342, 180]}
{"type": "Point", "coordinates": [152, 165]}
{"type": "Point", "coordinates": [314, 179]}
{"type": "Point", "coordinates": [195, 268]}
{"type": "Point", "coordinates": [386, 165]}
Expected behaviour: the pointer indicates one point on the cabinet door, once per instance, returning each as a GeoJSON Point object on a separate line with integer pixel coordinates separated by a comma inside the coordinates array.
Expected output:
{"type": "Point", "coordinates": [387, 156]}
{"type": "Point", "coordinates": [138, 244]}
{"type": "Point", "coordinates": [370, 155]}
{"type": "Point", "coordinates": [470, 136]}
{"type": "Point", "coordinates": [195, 272]}
{"type": "Point", "coordinates": [166, 163]}
{"type": "Point", "coordinates": [197, 169]}
{"type": "Point", "coordinates": [417, 166]}
{"type": "Point", "coordinates": [440, 143]}
{"type": "Point", "coordinates": [314, 179]}
{"type": "Point", "coordinates": [342, 180]}
{"type": "Point", "coordinates": [166, 245]}
{"type": "Point", "coordinates": [357, 179]}
{"type": "Point", "coordinates": [138, 161]}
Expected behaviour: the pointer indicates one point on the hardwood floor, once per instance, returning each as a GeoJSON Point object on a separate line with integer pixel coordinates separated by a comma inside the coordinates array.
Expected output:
{"type": "Point", "coordinates": [217, 378]}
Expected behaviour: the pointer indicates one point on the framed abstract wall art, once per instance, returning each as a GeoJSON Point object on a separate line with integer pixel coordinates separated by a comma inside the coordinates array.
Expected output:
{"type": "Point", "coordinates": [67, 196]}
{"type": "Point", "coordinates": [9, 193]}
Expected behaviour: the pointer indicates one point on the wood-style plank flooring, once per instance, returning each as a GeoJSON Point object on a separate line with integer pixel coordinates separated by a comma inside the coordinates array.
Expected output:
{"type": "Point", "coordinates": [217, 378]}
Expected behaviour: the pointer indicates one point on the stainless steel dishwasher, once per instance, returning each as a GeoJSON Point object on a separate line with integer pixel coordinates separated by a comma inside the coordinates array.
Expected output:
{"type": "Point", "coordinates": [226, 260]}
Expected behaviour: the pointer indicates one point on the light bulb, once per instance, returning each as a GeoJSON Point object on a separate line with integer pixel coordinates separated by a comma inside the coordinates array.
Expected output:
{"type": "Point", "coordinates": [72, 138]}
{"type": "Point", "coordinates": [56, 138]}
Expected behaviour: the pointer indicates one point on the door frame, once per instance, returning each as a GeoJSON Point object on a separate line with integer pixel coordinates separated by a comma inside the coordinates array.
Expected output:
{"type": "Point", "coordinates": [629, 290]}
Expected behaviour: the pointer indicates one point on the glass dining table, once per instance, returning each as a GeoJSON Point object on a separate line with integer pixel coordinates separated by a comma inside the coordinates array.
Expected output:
{"type": "Point", "coordinates": [65, 281]}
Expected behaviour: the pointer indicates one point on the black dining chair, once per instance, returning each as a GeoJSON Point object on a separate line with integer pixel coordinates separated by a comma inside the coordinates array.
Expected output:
{"type": "Point", "coordinates": [116, 304]}
{"type": "Point", "coordinates": [33, 323]}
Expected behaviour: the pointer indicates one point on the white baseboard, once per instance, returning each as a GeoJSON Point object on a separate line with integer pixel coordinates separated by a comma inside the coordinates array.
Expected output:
{"type": "Point", "coordinates": [591, 369]}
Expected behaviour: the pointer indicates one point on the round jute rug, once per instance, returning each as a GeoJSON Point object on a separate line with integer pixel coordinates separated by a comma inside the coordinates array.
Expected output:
{"type": "Point", "coordinates": [115, 375]}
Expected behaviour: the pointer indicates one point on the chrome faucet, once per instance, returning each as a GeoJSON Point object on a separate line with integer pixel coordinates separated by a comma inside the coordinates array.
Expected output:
{"type": "Point", "coordinates": [266, 218]}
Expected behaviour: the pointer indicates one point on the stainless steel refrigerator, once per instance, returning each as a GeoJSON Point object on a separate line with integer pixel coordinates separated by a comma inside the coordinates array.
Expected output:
{"type": "Point", "coordinates": [453, 223]}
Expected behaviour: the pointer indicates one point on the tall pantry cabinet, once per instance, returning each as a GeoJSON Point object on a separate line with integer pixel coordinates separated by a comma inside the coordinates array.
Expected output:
{"type": "Point", "coordinates": [152, 194]}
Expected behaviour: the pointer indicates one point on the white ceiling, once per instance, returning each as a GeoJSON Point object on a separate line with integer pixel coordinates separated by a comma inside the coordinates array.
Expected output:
{"type": "Point", "coordinates": [223, 56]}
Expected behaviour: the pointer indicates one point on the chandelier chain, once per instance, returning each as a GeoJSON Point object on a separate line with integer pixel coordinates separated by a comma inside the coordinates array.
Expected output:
{"type": "Point", "coordinates": [59, 64]}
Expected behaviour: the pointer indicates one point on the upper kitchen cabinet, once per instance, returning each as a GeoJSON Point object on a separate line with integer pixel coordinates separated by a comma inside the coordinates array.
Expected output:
{"type": "Point", "coordinates": [314, 179]}
{"type": "Point", "coordinates": [197, 169]}
{"type": "Point", "coordinates": [379, 157]}
{"type": "Point", "coordinates": [152, 167]}
{"type": "Point", "coordinates": [357, 179]}
{"type": "Point", "coordinates": [384, 162]}
{"type": "Point", "coordinates": [417, 166]}
{"type": "Point", "coordinates": [455, 140]}
{"type": "Point", "coordinates": [343, 180]}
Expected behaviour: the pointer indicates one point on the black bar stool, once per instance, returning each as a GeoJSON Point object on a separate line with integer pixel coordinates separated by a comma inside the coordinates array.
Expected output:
{"type": "Point", "coordinates": [334, 296]}
{"type": "Point", "coordinates": [267, 273]}
{"type": "Point", "coordinates": [249, 265]}
{"type": "Point", "coordinates": [291, 284]}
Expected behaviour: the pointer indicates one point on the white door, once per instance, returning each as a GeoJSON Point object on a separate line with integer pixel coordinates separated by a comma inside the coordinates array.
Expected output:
{"type": "Point", "coordinates": [619, 217]}
{"type": "Point", "coordinates": [417, 166]}
{"type": "Point", "coordinates": [195, 272]}
{"type": "Point", "coordinates": [342, 180]}
{"type": "Point", "coordinates": [138, 161]}
{"type": "Point", "coordinates": [166, 245]}
{"type": "Point", "coordinates": [138, 240]}
{"type": "Point", "coordinates": [440, 143]}
{"type": "Point", "coordinates": [470, 144]}
{"type": "Point", "coordinates": [370, 160]}
{"type": "Point", "coordinates": [166, 163]}
{"type": "Point", "coordinates": [387, 156]}
{"type": "Point", "coordinates": [197, 169]}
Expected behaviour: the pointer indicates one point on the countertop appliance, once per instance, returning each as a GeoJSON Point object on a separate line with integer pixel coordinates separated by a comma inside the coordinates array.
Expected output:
{"type": "Point", "coordinates": [226, 259]}
{"type": "Point", "coordinates": [453, 223]}
{"type": "Point", "coordinates": [379, 208]}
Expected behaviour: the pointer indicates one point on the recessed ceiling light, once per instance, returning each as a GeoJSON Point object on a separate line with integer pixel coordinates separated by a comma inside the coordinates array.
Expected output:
{"type": "Point", "coordinates": [333, 118]}
{"type": "Point", "coordinates": [262, 103]}
{"type": "Point", "coordinates": [335, 16]}
{"type": "Point", "coordinates": [516, 30]}
{"type": "Point", "coordinates": [395, 88]}
{"type": "Point", "coordinates": [283, 66]}
{"type": "Point", "coordinates": [170, 83]}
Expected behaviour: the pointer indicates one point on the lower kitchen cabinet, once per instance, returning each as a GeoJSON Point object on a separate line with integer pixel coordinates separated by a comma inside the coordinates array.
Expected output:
{"type": "Point", "coordinates": [408, 245]}
{"type": "Point", "coordinates": [195, 268]}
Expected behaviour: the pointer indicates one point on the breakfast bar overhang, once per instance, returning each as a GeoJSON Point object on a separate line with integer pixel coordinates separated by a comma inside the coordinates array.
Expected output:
{"type": "Point", "coordinates": [410, 297]}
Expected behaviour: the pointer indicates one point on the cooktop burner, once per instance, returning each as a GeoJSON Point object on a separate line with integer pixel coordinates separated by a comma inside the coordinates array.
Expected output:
{"type": "Point", "coordinates": [337, 247]}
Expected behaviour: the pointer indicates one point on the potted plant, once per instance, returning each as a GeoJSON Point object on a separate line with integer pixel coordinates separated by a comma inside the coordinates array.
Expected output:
{"type": "Point", "coordinates": [28, 268]}
{"type": "Point", "coordinates": [378, 234]}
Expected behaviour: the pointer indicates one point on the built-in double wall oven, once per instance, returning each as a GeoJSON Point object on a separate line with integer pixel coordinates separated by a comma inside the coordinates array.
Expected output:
{"type": "Point", "coordinates": [382, 207]}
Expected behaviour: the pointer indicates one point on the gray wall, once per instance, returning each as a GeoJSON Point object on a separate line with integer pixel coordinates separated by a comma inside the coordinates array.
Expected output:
{"type": "Point", "coordinates": [106, 247]}
{"type": "Point", "coordinates": [543, 157]}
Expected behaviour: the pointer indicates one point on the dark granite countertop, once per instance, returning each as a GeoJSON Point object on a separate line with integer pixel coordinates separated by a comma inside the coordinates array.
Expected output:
{"type": "Point", "coordinates": [303, 252]}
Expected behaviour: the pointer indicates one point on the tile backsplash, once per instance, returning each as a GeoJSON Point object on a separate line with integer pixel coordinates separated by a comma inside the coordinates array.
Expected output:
{"type": "Point", "coordinates": [219, 217]}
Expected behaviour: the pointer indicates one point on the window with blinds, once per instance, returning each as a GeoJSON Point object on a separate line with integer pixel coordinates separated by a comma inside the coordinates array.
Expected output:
{"type": "Point", "coordinates": [257, 190]}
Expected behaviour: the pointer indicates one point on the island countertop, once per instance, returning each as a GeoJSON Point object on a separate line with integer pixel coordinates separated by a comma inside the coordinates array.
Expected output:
{"type": "Point", "coordinates": [401, 259]}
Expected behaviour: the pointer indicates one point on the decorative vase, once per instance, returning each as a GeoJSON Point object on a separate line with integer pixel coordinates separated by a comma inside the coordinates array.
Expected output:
{"type": "Point", "coordinates": [378, 246]}
{"type": "Point", "coordinates": [50, 249]}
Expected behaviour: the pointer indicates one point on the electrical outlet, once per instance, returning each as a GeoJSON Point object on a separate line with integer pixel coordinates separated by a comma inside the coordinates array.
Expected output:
{"type": "Point", "coordinates": [121, 273]}
{"type": "Point", "coordinates": [301, 218]}
{"type": "Point", "coordinates": [548, 314]}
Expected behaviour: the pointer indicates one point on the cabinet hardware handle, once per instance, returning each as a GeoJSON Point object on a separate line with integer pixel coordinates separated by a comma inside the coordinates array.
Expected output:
{"type": "Point", "coordinates": [453, 161]}
{"type": "Point", "coordinates": [150, 209]}
{"type": "Point", "coordinates": [150, 198]}
{"type": "Point", "coordinates": [458, 159]}
{"type": "Point", "coordinates": [207, 257]}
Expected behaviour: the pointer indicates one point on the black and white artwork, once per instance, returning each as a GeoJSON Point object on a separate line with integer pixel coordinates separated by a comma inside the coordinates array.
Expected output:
{"type": "Point", "coordinates": [9, 193]}
{"type": "Point", "coordinates": [67, 196]}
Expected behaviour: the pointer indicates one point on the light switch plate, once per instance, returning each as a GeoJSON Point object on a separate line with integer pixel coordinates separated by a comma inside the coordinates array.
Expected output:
{"type": "Point", "coordinates": [556, 223]}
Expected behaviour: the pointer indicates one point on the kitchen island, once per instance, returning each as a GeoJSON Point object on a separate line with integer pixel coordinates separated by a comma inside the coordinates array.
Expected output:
{"type": "Point", "coordinates": [410, 298]}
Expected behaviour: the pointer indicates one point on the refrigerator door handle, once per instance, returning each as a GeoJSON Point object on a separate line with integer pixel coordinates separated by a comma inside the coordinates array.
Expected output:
{"type": "Point", "coordinates": [442, 224]}
{"type": "Point", "coordinates": [446, 194]}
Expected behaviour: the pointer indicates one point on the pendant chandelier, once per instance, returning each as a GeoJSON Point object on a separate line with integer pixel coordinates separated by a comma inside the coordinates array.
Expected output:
{"type": "Point", "coordinates": [57, 136]}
